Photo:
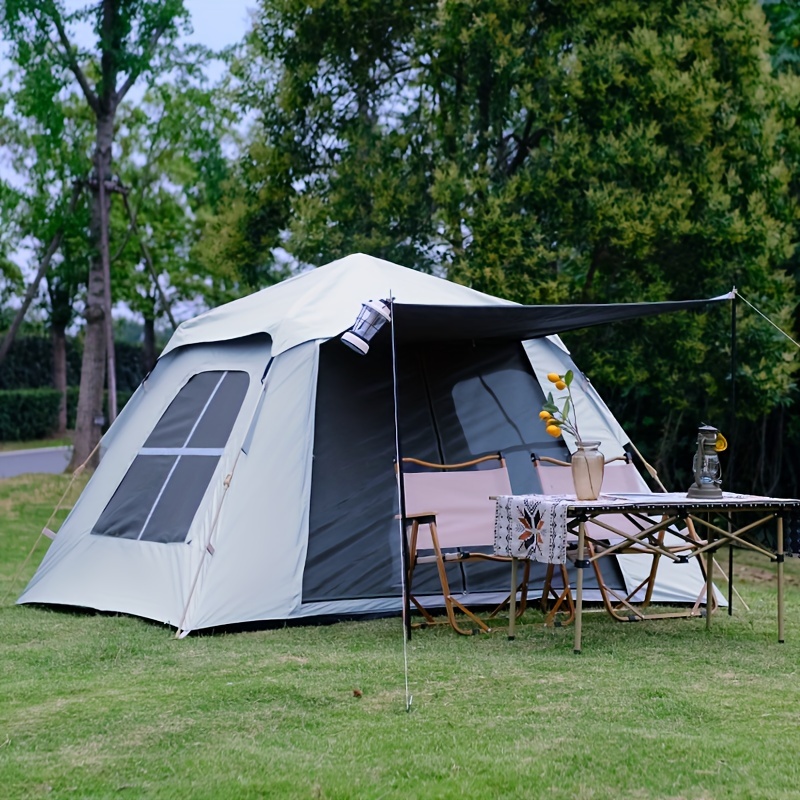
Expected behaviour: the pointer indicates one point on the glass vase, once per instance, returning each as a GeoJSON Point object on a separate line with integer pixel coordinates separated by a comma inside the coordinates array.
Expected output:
{"type": "Point", "coordinates": [588, 465]}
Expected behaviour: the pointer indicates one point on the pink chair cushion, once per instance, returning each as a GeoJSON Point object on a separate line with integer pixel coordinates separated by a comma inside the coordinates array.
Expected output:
{"type": "Point", "coordinates": [460, 499]}
{"type": "Point", "coordinates": [623, 478]}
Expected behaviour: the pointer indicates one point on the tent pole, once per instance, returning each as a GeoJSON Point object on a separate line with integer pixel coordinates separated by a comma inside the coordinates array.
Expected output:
{"type": "Point", "coordinates": [731, 431]}
{"type": "Point", "coordinates": [401, 494]}
{"type": "Point", "coordinates": [401, 489]}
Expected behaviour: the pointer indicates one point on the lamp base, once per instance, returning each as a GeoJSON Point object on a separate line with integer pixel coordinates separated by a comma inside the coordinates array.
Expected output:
{"type": "Point", "coordinates": [355, 342]}
{"type": "Point", "coordinates": [709, 491]}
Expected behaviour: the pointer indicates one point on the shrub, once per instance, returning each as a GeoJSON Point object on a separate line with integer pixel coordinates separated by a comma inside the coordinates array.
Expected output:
{"type": "Point", "coordinates": [33, 413]}
{"type": "Point", "coordinates": [29, 364]}
{"type": "Point", "coordinates": [72, 403]}
{"type": "Point", "coordinates": [28, 413]}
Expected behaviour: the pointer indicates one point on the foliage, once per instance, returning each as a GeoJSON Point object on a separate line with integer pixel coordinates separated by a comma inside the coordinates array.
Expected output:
{"type": "Point", "coordinates": [562, 152]}
{"type": "Point", "coordinates": [28, 364]}
{"type": "Point", "coordinates": [332, 168]}
{"type": "Point", "coordinates": [172, 165]}
{"type": "Point", "coordinates": [33, 413]}
{"type": "Point", "coordinates": [784, 21]}
{"type": "Point", "coordinates": [10, 274]}
{"type": "Point", "coordinates": [28, 413]}
{"type": "Point", "coordinates": [564, 417]}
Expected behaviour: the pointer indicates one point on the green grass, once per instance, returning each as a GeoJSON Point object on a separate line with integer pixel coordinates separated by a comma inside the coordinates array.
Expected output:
{"type": "Point", "coordinates": [53, 441]}
{"type": "Point", "coordinates": [105, 706]}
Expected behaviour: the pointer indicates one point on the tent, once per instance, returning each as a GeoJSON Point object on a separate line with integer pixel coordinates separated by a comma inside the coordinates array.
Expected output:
{"type": "Point", "coordinates": [251, 475]}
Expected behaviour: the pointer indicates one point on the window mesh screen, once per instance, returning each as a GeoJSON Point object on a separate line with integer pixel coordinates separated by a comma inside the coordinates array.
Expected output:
{"type": "Point", "coordinates": [160, 494]}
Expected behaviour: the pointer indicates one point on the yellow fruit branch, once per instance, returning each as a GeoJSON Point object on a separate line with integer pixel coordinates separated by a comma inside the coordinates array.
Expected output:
{"type": "Point", "coordinates": [557, 420]}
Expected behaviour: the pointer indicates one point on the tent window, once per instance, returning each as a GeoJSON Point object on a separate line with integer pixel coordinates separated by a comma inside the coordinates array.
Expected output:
{"type": "Point", "coordinates": [498, 410]}
{"type": "Point", "coordinates": [161, 492]}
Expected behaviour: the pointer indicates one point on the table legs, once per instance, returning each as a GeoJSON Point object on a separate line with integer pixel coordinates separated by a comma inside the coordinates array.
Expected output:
{"type": "Point", "coordinates": [730, 575]}
{"type": "Point", "coordinates": [780, 556]}
{"type": "Point", "coordinates": [579, 563]}
{"type": "Point", "coordinates": [512, 601]}
{"type": "Point", "coordinates": [709, 583]}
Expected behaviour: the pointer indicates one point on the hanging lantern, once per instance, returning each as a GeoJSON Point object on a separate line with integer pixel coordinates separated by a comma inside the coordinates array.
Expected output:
{"type": "Point", "coordinates": [373, 315]}
{"type": "Point", "coordinates": [705, 466]}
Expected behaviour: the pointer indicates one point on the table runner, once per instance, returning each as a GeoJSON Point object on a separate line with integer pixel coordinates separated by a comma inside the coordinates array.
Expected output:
{"type": "Point", "coordinates": [532, 526]}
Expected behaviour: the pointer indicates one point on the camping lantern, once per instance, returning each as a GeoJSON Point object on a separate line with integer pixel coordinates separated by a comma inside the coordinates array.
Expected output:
{"type": "Point", "coordinates": [706, 467]}
{"type": "Point", "coordinates": [370, 320]}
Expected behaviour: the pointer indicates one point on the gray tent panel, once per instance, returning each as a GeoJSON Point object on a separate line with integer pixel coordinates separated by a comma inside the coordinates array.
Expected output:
{"type": "Point", "coordinates": [430, 323]}
{"type": "Point", "coordinates": [457, 401]}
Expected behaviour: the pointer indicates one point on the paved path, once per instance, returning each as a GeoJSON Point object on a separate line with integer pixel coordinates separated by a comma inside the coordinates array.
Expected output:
{"type": "Point", "coordinates": [43, 459]}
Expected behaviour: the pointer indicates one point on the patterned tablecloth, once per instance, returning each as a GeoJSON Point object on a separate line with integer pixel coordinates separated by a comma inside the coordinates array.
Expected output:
{"type": "Point", "coordinates": [532, 526]}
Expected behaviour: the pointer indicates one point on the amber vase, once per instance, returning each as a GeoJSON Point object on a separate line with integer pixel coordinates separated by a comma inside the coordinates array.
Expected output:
{"type": "Point", "coordinates": [588, 465]}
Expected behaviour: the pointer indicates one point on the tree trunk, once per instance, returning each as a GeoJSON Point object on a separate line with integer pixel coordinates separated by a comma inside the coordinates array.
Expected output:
{"type": "Point", "coordinates": [59, 338]}
{"type": "Point", "coordinates": [91, 417]}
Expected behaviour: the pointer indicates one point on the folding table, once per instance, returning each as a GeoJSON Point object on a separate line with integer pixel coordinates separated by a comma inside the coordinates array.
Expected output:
{"type": "Point", "coordinates": [731, 519]}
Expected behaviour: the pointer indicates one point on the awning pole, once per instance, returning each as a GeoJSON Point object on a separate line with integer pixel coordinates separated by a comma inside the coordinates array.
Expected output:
{"type": "Point", "coordinates": [732, 440]}
{"type": "Point", "coordinates": [401, 496]}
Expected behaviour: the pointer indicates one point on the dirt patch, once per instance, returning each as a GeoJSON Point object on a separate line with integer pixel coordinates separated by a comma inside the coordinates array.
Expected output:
{"type": "Point", "coordinates": [749, 573]}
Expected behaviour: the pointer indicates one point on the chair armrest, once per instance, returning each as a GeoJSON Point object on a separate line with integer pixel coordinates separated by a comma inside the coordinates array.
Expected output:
{"type": "Point", "coordinates": [419, 515]}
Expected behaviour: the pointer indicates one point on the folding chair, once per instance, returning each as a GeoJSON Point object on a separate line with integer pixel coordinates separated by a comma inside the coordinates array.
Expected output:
{"type": "Point", "coordinates": [618, 478]}
{"type": "Point", "coordinates": [449, 519]}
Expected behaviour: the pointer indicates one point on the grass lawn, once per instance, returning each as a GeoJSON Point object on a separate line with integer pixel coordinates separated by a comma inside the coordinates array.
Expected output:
{"type": "Point", "coordinates": [103, 706]}
{"type": "Point", "coordinates": [53, 441]}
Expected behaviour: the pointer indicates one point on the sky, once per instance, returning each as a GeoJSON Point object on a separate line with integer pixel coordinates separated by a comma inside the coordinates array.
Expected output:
{"type": "Point", "coordinates": [218, 23]}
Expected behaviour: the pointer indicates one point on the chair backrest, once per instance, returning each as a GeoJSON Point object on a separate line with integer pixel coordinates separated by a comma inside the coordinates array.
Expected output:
{"type": "Point", "coordinates": [617, 477]}
{"type": "Point", "coordinates": [625, 478]}
{"type": "Point", "coordinates": [459, 497]}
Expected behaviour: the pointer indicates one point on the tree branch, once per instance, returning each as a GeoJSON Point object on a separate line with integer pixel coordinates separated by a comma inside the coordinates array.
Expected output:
{"type": "Point", "coordinates": [44, 265]}
{"type": "Point", "coordinates": [525, 143]}
{"type": "Point", "coordinates": [91, 97]}
{"type": "Point", "coordinates": [148, 259]}
{"type": "Point", "coordinates": [134, 74]}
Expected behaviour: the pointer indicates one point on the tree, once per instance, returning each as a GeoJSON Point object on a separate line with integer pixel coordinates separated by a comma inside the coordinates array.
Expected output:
{"type": "Point", "coordinates": [168, 168]}
{"type": "Point", "coordinates": [171, 168]}
{"type": "Point", "coordinates": [568, 151]}
{"type": "Point", "coordinates": [10, 273]}
{"type": "Point", "coordinates": [783, 425]}
{"type": "Point", "coordinates": [334, 164]}
{"type": "Point", "coordinates": [784, 21]}
{"type": "Point", "coordinates": [135, 40]}
{"type": "Point", "coordinates": [51, 164]}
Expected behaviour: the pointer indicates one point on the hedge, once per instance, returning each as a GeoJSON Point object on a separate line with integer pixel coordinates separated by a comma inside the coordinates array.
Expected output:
{"type": "Point", "coordinates": [28, 413]}
{"type": "Point", "coordinates": [72, 403]}
{"type": "Point", "coordinates": [33, 413]}
{"type": "Point", "coordinates": [29, 364]}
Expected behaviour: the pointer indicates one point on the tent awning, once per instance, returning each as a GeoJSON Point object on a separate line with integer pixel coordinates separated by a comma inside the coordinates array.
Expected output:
{"type": "Point", "coordinates": [413, 322]}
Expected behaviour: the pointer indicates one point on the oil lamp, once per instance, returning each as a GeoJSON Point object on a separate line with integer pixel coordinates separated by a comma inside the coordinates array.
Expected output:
{"type": "Point", "coordinates": [706, 467]}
